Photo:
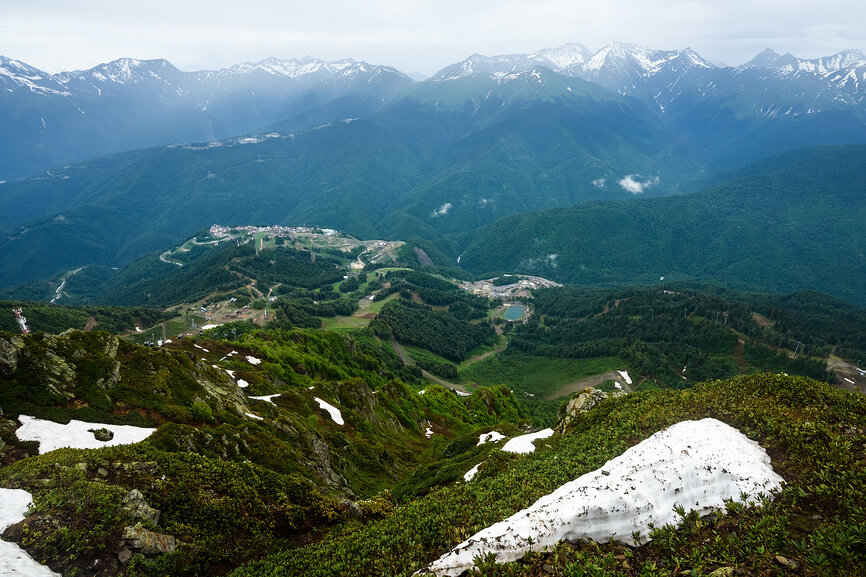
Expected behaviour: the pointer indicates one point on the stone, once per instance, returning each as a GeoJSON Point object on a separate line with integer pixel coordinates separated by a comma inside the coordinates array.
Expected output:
{"type": "Point", "coordinates": [102, 434]}
{"type": "Point", "coordinates": [787, 563]}
{"type": "Point", "coordinates": [722, 572]}
{"type": "Point", "coordinates": [149, 542]}
{"type": "Point", "coordinates": [124, 555]}
{"type": "Point", "coordinates": [102, 472]}
{"type": "Point", "coordinates": [137, 507]}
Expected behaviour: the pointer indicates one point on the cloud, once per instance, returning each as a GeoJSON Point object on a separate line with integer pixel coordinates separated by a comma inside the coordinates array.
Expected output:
{"type": "Point", "coordinates": [632, 184]}
{"type": "Point", "coordinates": [599, 182]}
{"type": "Point", "coordinates": [484, 201]}
{"type": "Point", "coordinates": [442, 210]}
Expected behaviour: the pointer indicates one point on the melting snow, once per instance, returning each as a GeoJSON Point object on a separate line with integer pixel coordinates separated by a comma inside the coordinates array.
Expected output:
{"type": "Point", "coordinates": [470, 474]}
{"type": "Point", "coordinates": [256, 417]}
{"type": "Point", "coordinates": [429, 431]}
{"type": "Point", "coordinates": [267, 398]}
{"type": "Point", "coordinates": [696, 464]}
{"type": "Point", "coordinates": [200, 347]}
{"type": "Point", "coordinates": [524, 443]}
{"type": "Point", "coordinates": [491, 437]}
{"type": "Point", "coordinates": [15, 561]}
{"type": "Point", "coordinates": [243, 384]}
{"type": "Point", "coordinates": [253, 360]}
{"type": "Point", "coordinates": [332, 410]}
{"type": "Point", "coordinates": [76, 434]}
{"type": "Point", "coordinates": [206, 327]}
{"type": "Point", "coordinates": [624, 375]}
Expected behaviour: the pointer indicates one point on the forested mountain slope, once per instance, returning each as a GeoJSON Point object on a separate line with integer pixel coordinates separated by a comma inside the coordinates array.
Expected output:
{"type": "Point", "coordinates": [789, 223]}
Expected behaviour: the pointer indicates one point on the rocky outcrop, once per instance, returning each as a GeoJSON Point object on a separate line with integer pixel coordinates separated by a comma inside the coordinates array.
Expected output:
{"type": "Point", "coordinates": [10, 348]}
{"type": "Point", "coordinates": [582, 403]}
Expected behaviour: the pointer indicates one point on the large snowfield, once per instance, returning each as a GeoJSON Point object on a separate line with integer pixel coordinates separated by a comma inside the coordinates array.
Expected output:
{"type": "Point", "coordinates": [76, 434]}
{"type": "Point", "coordinates": [696, 464]}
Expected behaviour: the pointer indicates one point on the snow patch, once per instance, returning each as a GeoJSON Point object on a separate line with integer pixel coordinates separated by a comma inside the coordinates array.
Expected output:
{"type": "Point", "coordinates": [524, 443]}
{"type": "Point", "coordinates": [266, 398]}
{"type": "Point", "coordinates": [256, 417]}
{"type": "Point", "coordinates": [243, 384]}
{"type": "Point", "coordinates": [206, 327]}
{"type": "Point", "coordinates": [332, 410]}
{"type": "Point", "coordinates": [625, 377]}
{"type": "Point", "coordinates": [696, 464]}
{"type": "Point", "coordinates": [253, 360]}
{"type": "Point", "coordinates": [76, 434]}
{"type": "Point", "coordinates": [14, 560]}
{"type": "Point", "coordinates": [470, 474]}
{"type": "Point", "coordinates": [202, 348]}
{"type": "Point", "coordinates": [491, 437]}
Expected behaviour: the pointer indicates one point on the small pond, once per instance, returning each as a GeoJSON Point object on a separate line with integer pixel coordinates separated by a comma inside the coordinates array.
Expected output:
{"type": "Point", "coordinates": [514, 313]}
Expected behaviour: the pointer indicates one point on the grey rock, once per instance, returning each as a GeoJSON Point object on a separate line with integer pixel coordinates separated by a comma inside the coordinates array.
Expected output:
{"type": "Point", "coordinates": [582, 403]}
{"type": "Point", "coordinates": [134, 497]}
{"type": "Point", "coordinates": [137, 507]}
{"type": "Point", "coordinates": [149, 542]}
{"type": "Point", "coordinates": [722, 572]}
{"type": "Point", "coordinates": [9, 352]}
{"type": "Point", "coordinates": [102, 434]}
{"type": "Point", "coordinates": [124, 555]}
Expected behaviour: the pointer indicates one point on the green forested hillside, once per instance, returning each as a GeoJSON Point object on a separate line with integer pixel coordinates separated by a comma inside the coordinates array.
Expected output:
{"type": "Point", "coordinates": [792, 223]}
{"type": "Point", "coordinates": [420, 168]}
{"type": "Point", "coordinates": [437, 331]}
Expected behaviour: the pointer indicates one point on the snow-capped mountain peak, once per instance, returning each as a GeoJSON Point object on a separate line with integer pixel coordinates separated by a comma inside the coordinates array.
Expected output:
{"type": "Point", "coordinates": [620, 55]}
{"type": "Point", "coordinates": [788, 63]}
{"type": "Point", "coordinates": [129, 71]}
{"type": "Point", "coordinates": [563, 57]}
{"type": "Point", "coordinates": [14, 73]}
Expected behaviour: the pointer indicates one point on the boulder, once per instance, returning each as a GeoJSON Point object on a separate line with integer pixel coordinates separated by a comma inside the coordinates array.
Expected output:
{"type": "Point", "coordinates": [102, 434]}
{"type": "Point", "coordinates": [149, 542]}
{"type": "Point", "coordinates": [582, 403]}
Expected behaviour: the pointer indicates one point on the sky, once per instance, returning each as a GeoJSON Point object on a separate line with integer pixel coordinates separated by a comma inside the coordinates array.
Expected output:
{"type": "Point", "coordinates": [415, 36]}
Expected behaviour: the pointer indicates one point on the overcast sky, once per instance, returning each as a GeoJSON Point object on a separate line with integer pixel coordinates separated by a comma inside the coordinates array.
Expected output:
{"type": "Point", "coordinates": [414, 36]}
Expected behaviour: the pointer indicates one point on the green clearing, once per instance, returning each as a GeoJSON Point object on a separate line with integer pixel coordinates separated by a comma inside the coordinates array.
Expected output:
{"type": "Point", "coordinates": [536, 375]}
{"type": "Point", "coordinates": [344, 323]}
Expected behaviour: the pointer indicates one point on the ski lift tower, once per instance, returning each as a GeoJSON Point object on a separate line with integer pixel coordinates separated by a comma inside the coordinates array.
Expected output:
{"type": "Point", "coordinates": [22, 322]}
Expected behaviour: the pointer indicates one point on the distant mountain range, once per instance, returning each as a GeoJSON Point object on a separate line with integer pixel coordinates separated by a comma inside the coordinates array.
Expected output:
{"type": "Point", "coordinates": [53, 119]}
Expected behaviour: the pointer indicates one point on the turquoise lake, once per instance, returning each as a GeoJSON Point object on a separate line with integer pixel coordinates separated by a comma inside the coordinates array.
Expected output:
{"type": "Point", "coordinates": [513, 313]}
